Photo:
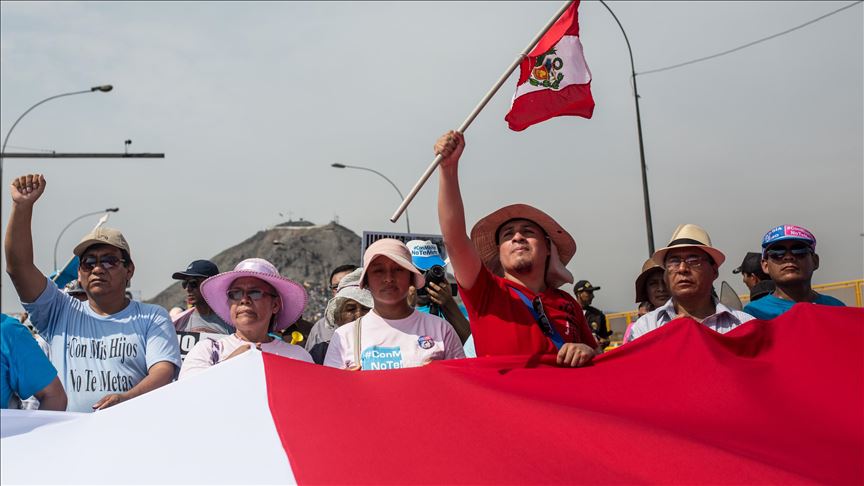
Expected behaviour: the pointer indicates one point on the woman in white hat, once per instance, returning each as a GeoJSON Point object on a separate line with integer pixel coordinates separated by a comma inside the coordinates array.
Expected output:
{"type": "Point", "coordinates": [393, 335]}
{"type": "Point", "coordinates": [256, 301]}
{"type": "Point", "coordinates": [349, 304]}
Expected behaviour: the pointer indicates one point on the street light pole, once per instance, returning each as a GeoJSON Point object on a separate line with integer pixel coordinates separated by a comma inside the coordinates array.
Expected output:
{"type": "Point", "coordinates": [102, 89]}
{"type": "Point", "coordinates": [401, 198]}
{"type": "Point", "coordinates": [649, 226]}
{"type": "Point", "coordinates": [79, 218]}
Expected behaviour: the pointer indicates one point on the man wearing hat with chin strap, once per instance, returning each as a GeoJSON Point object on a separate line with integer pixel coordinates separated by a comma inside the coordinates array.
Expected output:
{"type": "Point", "coordinates": [199, 317]}
{"type": "Point", "coordinates": [509, 272]}
{"type": "Point", "coordinates": [691, 265]}
{"type": "Point", "coordinates": [108, 349]}
{"type": "Point", "coordinates": [789, 258]}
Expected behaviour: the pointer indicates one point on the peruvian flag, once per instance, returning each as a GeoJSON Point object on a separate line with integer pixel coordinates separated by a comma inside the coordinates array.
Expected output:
{"type": "Point", "coordinates": [771, 402]}
{"type": "Point", "coordinates": [554, 79]}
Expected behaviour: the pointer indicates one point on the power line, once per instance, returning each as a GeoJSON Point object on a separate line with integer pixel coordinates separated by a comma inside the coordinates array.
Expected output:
{"type": "Point", "coordinates": [749, 44]}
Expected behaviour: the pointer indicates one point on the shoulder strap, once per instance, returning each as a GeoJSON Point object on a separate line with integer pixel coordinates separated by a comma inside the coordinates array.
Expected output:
{"type": "Point", "coordinates": [357, 328]}
{"type": "Point", "coordinates": [551, 333]}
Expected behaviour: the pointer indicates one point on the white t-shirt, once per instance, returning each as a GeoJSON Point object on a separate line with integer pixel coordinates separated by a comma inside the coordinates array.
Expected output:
{"type": "Point", "coordinates": [394, 343]}
{"type": "Point", "coordinates": [209, 352]}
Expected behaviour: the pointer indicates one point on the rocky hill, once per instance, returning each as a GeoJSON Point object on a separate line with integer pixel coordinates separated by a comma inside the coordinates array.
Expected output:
{"type": "Point", "coordinates": [302, 251]}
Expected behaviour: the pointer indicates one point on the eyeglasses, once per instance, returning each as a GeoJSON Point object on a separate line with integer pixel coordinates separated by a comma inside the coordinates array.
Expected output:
{"type": "Point", "coordinates": [691, 261]}
{"type": "Point", "coordinates": [542, 319]}
{"type": "Point", "coordinates": [236, 295]}
{"type": "Point", "coordinates": [190, 284]}
{"type": "Point", "coordinates": [779, 252]}
{"type": "Point", "coordinates": [107, 262]}
{"type": "Point", "coordinates": [334, 287]}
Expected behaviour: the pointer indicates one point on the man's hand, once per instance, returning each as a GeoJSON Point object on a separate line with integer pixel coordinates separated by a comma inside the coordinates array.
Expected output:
{"type": "Point", "coordinates": [109, 401]}
{"type": "Point", "coordinates": [440, 295]}
{"type": "Point", "coordinates": [450, 145]}
{"type": "Point", "coordinates": [575, 354]}
{"type": "Point", "coordinates": [27, 189]}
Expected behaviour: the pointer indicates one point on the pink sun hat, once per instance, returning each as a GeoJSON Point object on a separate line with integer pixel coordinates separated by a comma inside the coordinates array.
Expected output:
{"type": "Point", "coordinates": [396, 251]}
{"type": "Point", "coordinates": [292, 294]}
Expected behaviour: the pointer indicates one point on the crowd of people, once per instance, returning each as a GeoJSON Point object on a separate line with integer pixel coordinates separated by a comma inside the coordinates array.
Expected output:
{"type": "Point", "coordinates": [395, 311]}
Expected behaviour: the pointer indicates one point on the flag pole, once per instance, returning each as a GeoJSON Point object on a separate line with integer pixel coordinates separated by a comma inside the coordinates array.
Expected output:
{"type": "Point", "coordinates": [477, 110]}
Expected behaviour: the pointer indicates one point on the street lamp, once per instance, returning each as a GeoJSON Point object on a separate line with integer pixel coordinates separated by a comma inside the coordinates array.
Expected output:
{"type": "Point", "coordinates": [337, 165]}
{"type": "Point", "coordinates": [56, 243]}
{"type": "Point", "coordinates": [102, 89]}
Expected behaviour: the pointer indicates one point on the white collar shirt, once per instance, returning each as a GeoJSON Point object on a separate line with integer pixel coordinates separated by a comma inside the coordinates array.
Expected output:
{"type": "Point", "coordinates": [723, 320]}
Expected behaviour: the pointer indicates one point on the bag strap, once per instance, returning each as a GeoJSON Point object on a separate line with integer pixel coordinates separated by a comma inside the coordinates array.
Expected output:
{"type": "Point", "coordinates": [552, 334]}
{"type": "Point", "coordinates": [357, 328]}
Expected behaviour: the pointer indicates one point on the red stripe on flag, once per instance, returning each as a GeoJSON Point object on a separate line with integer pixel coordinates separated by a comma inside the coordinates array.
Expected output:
{"type": "Point", "coordinates": [538, 106]}
{"type": "Point", "coordinates": [770, 402]}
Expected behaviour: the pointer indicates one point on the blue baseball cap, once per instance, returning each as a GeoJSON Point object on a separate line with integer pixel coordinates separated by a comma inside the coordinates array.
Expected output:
{"type": "Point", "coordinates": [425, 254]}
{"type": "Point", "coordinates": [788, 232]}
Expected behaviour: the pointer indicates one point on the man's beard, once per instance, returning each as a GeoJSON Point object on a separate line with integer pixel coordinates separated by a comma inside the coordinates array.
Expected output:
{"type": "Point", "coordinates": [522, 266]}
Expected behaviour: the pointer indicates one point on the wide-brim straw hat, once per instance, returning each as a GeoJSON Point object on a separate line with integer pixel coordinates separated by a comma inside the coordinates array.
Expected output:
{"type": "Point", "coordinates": [649, 267]}
{"type": "Point", "coordinates": [348, 289]}
{"type": "Point", "coordinates": [396, 251]}
{"type": "Point", "coordinates": [291, 293]}
{"type": "Point", "coordinates": [484, 234]}
{"type": "Point", "coordinates": [689, 236]}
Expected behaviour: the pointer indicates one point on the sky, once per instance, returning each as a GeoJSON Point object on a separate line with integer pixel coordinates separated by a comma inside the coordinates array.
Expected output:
{"type": "Point", "coordinates": [252, 102]}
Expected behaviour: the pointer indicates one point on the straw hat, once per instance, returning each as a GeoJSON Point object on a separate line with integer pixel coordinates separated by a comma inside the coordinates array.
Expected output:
{"type": "Point", "coordinates": [484, 234]}
{"type": "Point", "coordinates": [689, 236]}
{"type": "Point", "coordinates": [396, 251]}
{"type": "Point", "coordinates": [649, 267]}
{"type": "Point", "coordinates": [292, 294]}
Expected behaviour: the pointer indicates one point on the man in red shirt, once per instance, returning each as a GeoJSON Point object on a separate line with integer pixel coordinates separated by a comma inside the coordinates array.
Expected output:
{"type": "Point", "coordinates": [509, 272]}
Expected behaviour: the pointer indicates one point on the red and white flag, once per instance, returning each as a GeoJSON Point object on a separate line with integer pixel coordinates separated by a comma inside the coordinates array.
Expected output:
{"type": "Point", "coordinates": [554, 79]}
{"type": "Point", "coordinates": [771, 402]}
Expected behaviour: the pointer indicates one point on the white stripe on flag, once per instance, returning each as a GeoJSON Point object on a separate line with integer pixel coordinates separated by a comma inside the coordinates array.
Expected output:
{"type": "Point", "coordinates": [575, 69]}
{"type": "Point", "coordinates": [211, 428]}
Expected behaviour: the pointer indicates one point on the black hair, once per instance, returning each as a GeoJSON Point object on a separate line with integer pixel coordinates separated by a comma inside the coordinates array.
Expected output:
{"type": "Point", "coordinates": [348, 267]}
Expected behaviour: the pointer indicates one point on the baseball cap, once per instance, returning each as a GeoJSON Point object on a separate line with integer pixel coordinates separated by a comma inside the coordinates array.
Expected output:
{"type": "Point", "coordinates": [198, 268]}
{"type": "Point", "coordinates": [584, 286]}
{"type": "Point", "coordinates": [102, 236]}
{"type": "Point", "coordinates": [788, 232]}
{"type": "Point", "coordinates": [750, 264]}
{"type": "Point", "coordinates": [425, 254]}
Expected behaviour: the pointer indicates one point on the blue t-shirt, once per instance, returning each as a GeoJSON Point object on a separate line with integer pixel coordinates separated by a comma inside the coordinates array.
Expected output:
{"type": "Point", "coordinates": [769, 307]}
{"type": "Point", "coordinates": [101, 355]}
{"type": "Point", "coordinates": [24, 368]}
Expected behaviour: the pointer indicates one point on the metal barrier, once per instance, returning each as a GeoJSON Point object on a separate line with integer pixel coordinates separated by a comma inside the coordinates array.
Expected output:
{"type": "Point", "coordinates": [851, 292]}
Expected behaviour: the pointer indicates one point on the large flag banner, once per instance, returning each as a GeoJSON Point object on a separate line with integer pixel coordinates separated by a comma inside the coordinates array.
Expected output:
{"type": "Point", "coordinates": [771, 402]}
{"type": "Point", "coordinates": [554, 79]}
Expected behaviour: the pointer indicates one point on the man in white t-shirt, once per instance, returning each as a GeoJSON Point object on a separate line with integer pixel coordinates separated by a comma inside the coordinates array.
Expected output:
{"type": "Point", "coordinates": [393, 335]}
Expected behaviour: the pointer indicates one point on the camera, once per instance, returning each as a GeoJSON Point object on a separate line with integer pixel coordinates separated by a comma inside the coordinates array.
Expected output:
{"type": "Point", "coordinates": [437, 274]}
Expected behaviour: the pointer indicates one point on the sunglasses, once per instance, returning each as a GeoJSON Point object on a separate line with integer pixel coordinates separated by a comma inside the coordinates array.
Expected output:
{"type": "Point", "coordinates": [236, 295]}
{"type": "Point", "coordinates": [777, 253]}
{"type": "Point", "coordinates": [107, 262]}
{"type": "Point", "coordinates": [190, 284]}
{"type": "Point", "coordinates": [542, 319]}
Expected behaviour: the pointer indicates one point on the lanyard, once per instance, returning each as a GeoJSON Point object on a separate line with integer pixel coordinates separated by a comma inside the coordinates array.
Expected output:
{"type": "Point", "coordinates": [552, 333]}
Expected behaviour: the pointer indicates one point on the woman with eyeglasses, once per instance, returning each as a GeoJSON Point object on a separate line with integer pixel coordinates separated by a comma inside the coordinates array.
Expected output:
{"type": "Point", "coordinates": [349, 304]}
{"type": "Point", "coordinates": [257, 302]}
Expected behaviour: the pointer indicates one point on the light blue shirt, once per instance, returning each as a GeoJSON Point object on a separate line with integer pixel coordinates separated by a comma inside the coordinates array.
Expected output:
{"type": "Point", "coordinates": [723, 320]}
{"type": "Point", "coordinates": [24, 368]}
{"type": "Point", "coordinates": [101, 355]}
{"type": "Point", "coordinates": [769, 307]}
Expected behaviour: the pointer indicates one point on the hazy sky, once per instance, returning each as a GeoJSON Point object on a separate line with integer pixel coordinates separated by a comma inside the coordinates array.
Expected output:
{"type": "Point", "coordinates": [252, 102]}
